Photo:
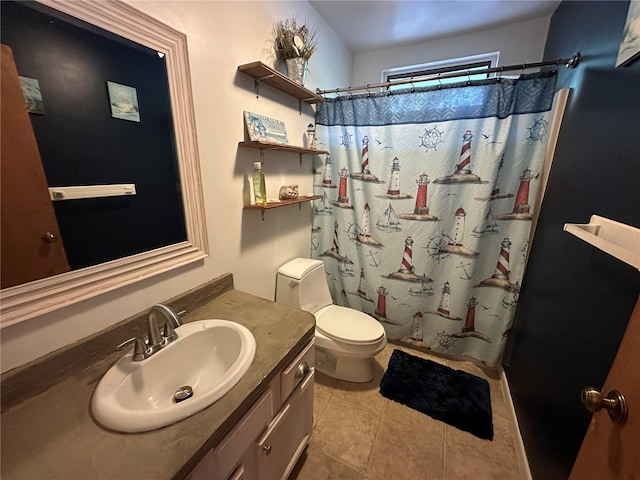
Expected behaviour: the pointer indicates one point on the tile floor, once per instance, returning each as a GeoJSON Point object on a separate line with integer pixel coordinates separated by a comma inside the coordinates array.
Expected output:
{"type": "Point", "coordinates": [359, 434]}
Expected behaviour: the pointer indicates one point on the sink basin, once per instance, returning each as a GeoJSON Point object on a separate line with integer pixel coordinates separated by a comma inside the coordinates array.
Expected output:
{"type": "Point", "coordinates": [209, 356]}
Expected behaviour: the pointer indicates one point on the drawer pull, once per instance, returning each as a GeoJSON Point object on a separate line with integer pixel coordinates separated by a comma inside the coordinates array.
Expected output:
{"type": "Point", "coordinates": [238, 474]}
{"type": "Point", "coordinates": [267, 449]}
{"type": "Point", "coordinates": [302, 370]}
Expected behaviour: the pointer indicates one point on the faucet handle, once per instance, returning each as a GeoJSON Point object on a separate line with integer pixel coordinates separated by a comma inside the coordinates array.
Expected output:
{"type": "Point", "coordinates": [139, 349]}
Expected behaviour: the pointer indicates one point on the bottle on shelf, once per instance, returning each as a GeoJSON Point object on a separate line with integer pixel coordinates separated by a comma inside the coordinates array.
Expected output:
{"type": "Point", "coordinates": [259, 187]}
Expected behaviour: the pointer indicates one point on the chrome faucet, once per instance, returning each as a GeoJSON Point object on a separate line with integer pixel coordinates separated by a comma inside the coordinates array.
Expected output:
{"type": "Point", "coordinates": [171, 316]}
{"type": "Point", "coordinates": [156, 341]}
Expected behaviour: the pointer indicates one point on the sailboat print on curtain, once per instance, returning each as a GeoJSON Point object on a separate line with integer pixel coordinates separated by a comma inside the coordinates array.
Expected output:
{"type": "Point", "coordinates": [323, 208]}
{"type": "Point", "coordinates": [389, 220]}
{"type": "Point", "coordinates": [495, 192]}
{"type": "Point", "coordinates": [443, 265]}
{"type": "Point", "coordinates": [489, 226]}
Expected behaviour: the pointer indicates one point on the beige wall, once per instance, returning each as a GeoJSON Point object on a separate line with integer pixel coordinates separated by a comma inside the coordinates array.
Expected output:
{"type": "Point", "coordinates": [517, 43]}
{"type": "Point", "coordinates": [221, 36]}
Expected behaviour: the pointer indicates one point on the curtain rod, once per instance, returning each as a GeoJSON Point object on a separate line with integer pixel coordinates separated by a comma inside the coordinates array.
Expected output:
{"type": "Point", "coordinates": [567, 62]}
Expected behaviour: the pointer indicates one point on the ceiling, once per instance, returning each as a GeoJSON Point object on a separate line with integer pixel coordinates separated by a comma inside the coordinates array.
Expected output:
{"type": "Point", "coordinates": [366, 25]}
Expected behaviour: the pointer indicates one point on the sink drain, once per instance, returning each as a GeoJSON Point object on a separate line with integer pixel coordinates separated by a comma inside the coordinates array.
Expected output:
{"type": "Point", "coordinates": [183, 393]}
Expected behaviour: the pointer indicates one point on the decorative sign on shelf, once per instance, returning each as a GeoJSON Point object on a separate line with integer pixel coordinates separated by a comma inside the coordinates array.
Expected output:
{"type": "Point", "coordinates": [265, 129]}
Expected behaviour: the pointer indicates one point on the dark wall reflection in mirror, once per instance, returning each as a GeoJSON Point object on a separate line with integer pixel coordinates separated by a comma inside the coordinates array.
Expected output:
{"type": "Point", "coordinates": [82, 144]}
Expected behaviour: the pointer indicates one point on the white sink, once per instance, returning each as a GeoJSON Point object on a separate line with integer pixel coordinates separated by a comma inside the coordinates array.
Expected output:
{"type": "Point", "coordinates": [209, 356]}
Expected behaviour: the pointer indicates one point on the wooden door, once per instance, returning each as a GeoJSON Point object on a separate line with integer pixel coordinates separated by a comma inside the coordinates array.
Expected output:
{"type": "Point", "coordinates": [610, 450]}
{"type": "Point", "coordinates": [26, 211]}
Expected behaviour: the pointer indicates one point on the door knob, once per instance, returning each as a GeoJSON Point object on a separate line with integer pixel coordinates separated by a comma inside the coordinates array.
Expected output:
{"type": "Point", "coordinates": [49, 237]}
{"type": "Point", "coordinates": [614, 403]}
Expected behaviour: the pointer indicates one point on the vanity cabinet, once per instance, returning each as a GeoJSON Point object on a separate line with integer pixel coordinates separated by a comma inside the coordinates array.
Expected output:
{"type": "Point", "coordinates": [280, 446]}
{"type": "Point", "coordinates": [270, 437]}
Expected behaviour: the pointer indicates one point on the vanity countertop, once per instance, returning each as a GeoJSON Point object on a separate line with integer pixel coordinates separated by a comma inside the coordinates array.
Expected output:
{"type": "Point", "coordinates": [52, 434]}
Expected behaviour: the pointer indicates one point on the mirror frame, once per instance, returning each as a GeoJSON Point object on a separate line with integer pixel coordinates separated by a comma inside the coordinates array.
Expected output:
{"type": "Point", "coordinates": [32, 299]}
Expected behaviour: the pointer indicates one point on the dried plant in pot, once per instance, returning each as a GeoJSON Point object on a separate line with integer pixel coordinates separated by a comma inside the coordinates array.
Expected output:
{"type": "Point", "coordinates": [294, 44]}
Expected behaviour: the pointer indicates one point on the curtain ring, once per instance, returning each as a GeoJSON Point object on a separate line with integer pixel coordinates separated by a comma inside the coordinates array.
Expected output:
{"type": "Point", "coordinates": [524, 65]}
{"type": "Point", "coordinates": [350, 94]}
{"type": "Point", "coordinates": [500, 74]}
{"type": "Point", "coordinates": [468, 77]}
{"type": "Point", "coordinates": [368, 91]}
{"type": "Point", "coordinates": [413, 87]}
{"type": "Point", "coordinates": [439, 81]}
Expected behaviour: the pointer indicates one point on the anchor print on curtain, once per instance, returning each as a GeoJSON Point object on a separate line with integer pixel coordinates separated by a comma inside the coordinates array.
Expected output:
{"type": "Point", "coordinates": [427, 201]}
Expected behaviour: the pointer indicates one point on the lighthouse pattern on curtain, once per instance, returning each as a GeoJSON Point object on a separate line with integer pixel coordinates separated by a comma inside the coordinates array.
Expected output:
{"type": "Point", "coordinates": [425, 226]}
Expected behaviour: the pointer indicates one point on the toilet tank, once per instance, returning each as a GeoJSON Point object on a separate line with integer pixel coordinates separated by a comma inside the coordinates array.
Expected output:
{"type": "Point", "coordinates": [302, 283]}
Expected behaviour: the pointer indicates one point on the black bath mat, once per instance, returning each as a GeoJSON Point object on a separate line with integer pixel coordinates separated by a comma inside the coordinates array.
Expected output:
{"type": "Point", "coordinates": [452, 396]}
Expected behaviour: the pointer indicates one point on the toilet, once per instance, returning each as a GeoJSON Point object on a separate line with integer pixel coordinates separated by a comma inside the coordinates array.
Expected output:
{"type": "Point", "coordinates": [346, 339]}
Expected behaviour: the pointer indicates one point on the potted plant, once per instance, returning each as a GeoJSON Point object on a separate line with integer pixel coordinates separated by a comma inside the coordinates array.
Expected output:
{"type": "Point", "coordinates": [294, 45]}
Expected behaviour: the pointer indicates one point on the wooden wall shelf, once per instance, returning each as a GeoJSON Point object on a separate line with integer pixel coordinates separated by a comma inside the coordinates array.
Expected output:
{"type": "Point", "coordinates": [616, 239]}
{"type": "Point", "coordinates": [265, 74]}
{"type": "Point", "coordinates": [281, 203]}
{"type": "Point", "coordinates": [282, 148]}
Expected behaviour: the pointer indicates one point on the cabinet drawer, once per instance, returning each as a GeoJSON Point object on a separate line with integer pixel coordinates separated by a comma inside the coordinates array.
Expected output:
{"type": "Point", "coordinates": [280, 447]}
{"type": "Point", "coordinates": [293, 374]}
{"type": "Point", "coordinates": [205, 470]}
{"type": "Point", "coordinates": [229, 452]}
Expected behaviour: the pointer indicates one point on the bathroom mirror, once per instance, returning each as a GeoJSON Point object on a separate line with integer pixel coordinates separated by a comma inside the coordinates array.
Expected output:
{"type": "Point", "coordinates": [28, 300]}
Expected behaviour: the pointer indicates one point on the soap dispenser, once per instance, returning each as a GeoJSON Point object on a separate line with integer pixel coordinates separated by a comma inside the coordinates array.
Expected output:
{"type": "Point", "coordinates": [259, 187]}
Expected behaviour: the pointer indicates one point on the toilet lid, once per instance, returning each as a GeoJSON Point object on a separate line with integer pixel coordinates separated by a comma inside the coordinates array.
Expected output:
{"type": "Point", "coordinates": [348, 325]}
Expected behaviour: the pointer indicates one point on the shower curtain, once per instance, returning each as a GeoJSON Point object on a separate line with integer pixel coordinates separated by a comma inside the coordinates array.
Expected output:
{"type": "Point", "coordinates": [427, 201]}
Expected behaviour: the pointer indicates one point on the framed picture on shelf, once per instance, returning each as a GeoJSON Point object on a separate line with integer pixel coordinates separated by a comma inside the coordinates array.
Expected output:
{"type": "Point", "coordinates": [630, 46]}
{"type": "Point", "coordinates": [265, 129]}
{"type": "Point", "coordinates": [124, 102]}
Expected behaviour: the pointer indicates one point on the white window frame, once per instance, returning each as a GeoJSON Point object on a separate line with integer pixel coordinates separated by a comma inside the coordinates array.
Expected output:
{"type": "Point", "coordinates": [422, 69]}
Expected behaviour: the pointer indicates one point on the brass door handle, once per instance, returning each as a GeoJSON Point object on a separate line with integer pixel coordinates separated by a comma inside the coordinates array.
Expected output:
{"type": "Point", "coordinates": [49, 237]}
{"type": "Point", "coordinates": [614, 403]}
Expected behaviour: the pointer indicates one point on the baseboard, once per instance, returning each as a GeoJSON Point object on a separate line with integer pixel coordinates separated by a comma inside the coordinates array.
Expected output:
{"type": "Point", "coordinates": [521, 453]}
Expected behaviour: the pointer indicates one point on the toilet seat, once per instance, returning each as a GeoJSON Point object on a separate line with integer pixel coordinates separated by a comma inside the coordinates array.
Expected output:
{"type": "Point", "coordinates": [348, 325]}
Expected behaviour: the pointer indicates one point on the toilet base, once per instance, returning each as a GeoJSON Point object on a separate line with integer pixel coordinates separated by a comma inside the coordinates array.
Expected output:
{"type": "Point", "coordinates": [349, 369]}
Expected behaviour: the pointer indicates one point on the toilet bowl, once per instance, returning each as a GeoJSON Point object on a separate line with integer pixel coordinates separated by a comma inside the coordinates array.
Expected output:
{"type": "Point", "coordinates": [346, 339]}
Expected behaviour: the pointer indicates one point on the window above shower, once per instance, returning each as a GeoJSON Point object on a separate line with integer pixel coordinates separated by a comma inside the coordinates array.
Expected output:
{"type": "Point", "coordinates": [473, 65]}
